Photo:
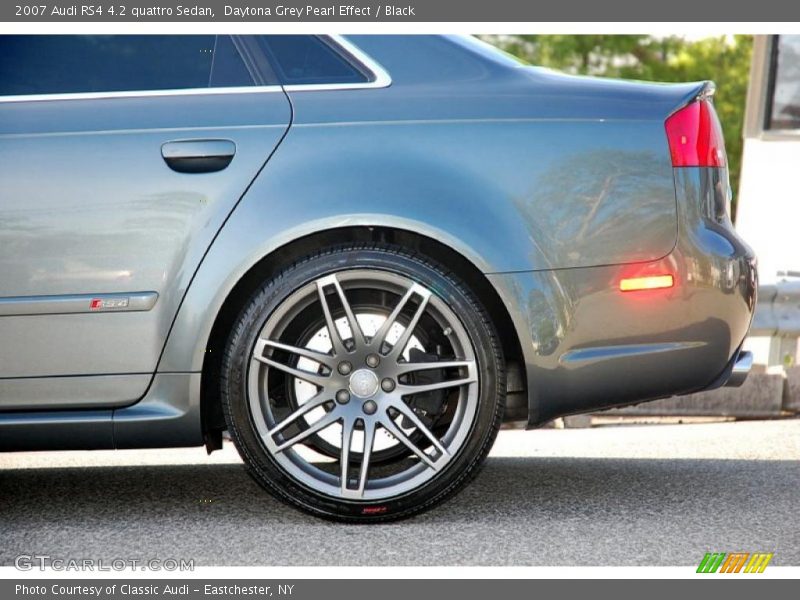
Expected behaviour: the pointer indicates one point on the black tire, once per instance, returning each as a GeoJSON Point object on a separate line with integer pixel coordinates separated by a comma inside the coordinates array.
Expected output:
{"type": "Point", "coordinates": [488, 358]}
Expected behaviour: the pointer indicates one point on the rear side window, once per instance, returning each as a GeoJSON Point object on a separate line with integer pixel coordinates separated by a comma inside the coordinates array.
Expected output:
{"type": "Point", "coordinates": [309, 59]}
{"type": "Point", "coordinates": [63, 64]}
{"type": "Point", "coordinates": [784, 93]}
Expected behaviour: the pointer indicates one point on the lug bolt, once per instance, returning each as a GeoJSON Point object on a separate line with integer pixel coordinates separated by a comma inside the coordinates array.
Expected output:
{"type": "Point", "coordinates": [343, 396]}
{"type": "Point", "coordinates": [345, 368]}
{"type": "Point", "coordinates": [387, 385]}
{"type": "Point", "coordinates": [370, 407]}
{"type": "Point", "coordinates": [373, 360]}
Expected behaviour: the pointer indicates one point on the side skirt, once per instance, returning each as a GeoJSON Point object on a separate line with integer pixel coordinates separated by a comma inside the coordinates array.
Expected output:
{"type": "Point", "coordinates": [168, 416]}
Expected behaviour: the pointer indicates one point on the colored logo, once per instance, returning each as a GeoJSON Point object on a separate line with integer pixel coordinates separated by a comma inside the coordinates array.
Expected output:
{"type": "Point", "coordinates": [735, 562]}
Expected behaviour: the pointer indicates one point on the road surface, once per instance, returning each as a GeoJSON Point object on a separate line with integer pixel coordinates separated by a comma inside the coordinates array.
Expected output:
{"type": "Point", "coordinates": [627, 495]}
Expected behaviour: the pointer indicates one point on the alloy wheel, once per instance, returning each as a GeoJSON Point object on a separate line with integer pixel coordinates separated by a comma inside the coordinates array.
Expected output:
{"type": "Point", "coordinates": [363, 386]}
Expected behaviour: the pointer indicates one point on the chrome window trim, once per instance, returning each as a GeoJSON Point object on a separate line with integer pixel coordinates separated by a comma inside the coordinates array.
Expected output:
{"type": "Point", "coordinates": [380, 79]}
{"type": "Point", "coordinates": [254, 89]}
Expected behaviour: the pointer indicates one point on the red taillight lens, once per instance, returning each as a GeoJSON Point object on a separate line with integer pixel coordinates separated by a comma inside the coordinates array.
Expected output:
{"type": "Point", "coordinates": [695, 136]}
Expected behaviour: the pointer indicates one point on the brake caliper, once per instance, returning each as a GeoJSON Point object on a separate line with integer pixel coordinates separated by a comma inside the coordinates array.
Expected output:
{"type": "Point", "coordinates": [430, 405]}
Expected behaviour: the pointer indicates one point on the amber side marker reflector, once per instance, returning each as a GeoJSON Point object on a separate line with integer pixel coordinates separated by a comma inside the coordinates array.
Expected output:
{"type": "Point", "coordinates": [653, 282]}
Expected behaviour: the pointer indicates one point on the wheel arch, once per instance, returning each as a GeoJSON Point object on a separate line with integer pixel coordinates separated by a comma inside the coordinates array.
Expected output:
{"type": "Point", "coordinates": [284, 255]}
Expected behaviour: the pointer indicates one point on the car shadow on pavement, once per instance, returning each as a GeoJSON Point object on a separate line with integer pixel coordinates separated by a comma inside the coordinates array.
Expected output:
{"type": "Point", "coordinates": [566, 510]}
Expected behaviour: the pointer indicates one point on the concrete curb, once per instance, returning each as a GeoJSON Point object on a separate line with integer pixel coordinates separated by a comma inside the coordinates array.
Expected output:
{"type": "Point", "coordinates": [791, 396]}
{"type": "Point", "coordinates": [764, 395]}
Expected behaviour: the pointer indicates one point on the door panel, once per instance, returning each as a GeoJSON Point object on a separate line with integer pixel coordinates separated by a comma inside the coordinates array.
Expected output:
{"type": "Point", "coordinates": [71, 392]}
{"type": "Point", "coordinates": [89, 206]}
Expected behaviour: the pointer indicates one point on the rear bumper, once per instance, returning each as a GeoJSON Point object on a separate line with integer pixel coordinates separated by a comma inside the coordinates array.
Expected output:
{"type": "Point", "coordinates": [589, 346]}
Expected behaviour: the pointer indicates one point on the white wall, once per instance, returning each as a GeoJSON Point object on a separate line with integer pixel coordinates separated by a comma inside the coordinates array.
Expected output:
{"type": "Point", "coordinates": [768, 215]}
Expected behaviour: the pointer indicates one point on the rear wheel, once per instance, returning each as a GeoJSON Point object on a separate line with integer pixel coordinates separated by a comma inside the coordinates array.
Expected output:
{"type": "Point", "coordinates": [362, 383]}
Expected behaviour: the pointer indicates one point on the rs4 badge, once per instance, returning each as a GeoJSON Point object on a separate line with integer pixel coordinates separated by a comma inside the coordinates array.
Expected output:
{"type": "Point", "coordinates": [108, 303]}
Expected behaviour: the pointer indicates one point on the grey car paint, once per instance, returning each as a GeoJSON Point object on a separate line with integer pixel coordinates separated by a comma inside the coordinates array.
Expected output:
{"type": "Point", "coordinates": [551, 186]}
{"type": "Point", "coordinates": [594, 347]}
{"type": "Point", "coordinates": [90, 206]}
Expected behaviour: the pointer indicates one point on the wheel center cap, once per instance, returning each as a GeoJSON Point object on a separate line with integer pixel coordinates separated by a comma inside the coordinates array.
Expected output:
{"type": "Point", "coordinates": [363, 383]}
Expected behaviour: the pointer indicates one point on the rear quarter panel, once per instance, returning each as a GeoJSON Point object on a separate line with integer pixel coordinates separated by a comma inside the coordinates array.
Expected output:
{"type": "Point", "coordinates": [551, 186]}
{"type": "Point", "coordinates": [510, 193]}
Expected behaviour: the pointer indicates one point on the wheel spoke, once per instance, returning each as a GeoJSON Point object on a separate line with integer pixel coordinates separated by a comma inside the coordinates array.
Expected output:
{"type": "Point", "coordinates": [402, 437]}
{"type": "Point", "coordinates": [380, 335]}
{"type": "Point", "coordinates": [326, 421]}
{"type": "Point", "coordinates": [402, 341]}
{"type": "Point", "coordinates": [348, 427]}
{"type": "Point", "coordinates": [405, 368]}
{"type": "Point", "coordinates": [320, 357]}
{"type": "Point", "coordinates": [314, 402]}
{"type": "Point", "coordinates": [369, 439]}
{"type": "Point", "coordinates": [314, 378]}
{"type": "Point", "coordinates": [405, 410]}
{"type": "Point", "coordinates": [355, 328]}
{"type": "Point", "coordinates": [337, 343]}
{"type": "Point", "coordinates": [405, 389]}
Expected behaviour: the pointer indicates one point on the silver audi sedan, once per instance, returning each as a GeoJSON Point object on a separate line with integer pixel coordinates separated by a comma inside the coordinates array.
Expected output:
{"type": "Point", "coordinates": [360, 256]}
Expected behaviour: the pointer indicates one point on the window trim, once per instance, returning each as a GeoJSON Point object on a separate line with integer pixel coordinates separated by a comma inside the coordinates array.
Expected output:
{"type": "Point", "coordinates": [757, 95]}
{"type": "Point", "coordinates": [769, 82]}
{"type": "Point", "coordinates": [379, 79]}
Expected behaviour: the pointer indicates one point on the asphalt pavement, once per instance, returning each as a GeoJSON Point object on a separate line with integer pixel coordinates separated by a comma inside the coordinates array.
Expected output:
{"type": "Point", "coordinates": [625, 495]}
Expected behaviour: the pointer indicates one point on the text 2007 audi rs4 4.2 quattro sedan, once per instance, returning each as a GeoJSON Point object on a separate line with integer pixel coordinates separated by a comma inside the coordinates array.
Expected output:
{"type": "Point", "coordinates": [360, 256]}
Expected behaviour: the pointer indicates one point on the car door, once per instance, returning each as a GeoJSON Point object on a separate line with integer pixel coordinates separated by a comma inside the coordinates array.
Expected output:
{"type": "Point", "coordinates": [120, 158]}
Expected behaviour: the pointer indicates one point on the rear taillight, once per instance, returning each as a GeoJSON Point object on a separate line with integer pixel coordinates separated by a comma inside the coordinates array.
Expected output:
{"type": "Point", "coordinates": [695, 136]}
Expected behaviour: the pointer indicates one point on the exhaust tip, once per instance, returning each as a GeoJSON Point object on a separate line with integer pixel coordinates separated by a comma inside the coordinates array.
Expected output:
{"type": "Point", "coordinates": [741, 369]}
